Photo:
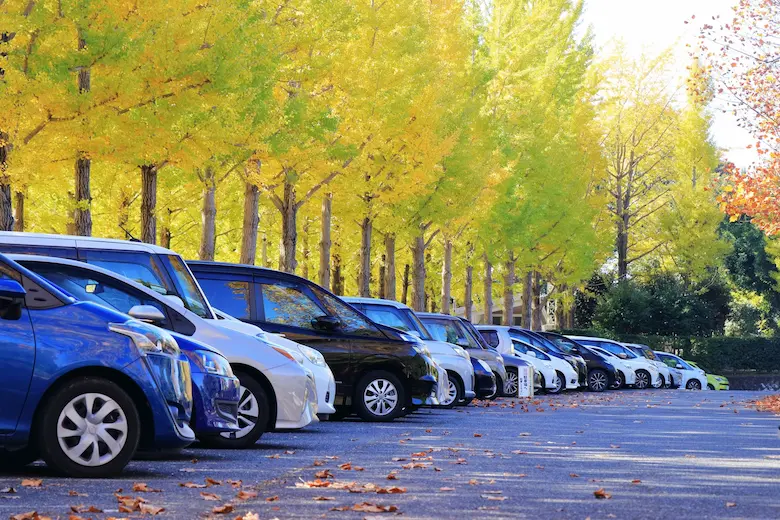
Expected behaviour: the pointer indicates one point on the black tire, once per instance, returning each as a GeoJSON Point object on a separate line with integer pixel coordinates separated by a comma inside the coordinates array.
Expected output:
{"type": "Point", "coordinates": [457, 386]}
{"type": "Point", "coordinates": [49, 421]}
{"type": "Point", "coordinates": [561, 384]}
{"type": "Point", "coordinates": [499, 388]}
{"type": "Point", "coordinates": [693, 384]}
{"type": "Point", "coordinates": [642, 380]}
{"type": "Point", "coordinates": [710, 387]}
{"type": "Point", "coordinates": [368, 386]}
{"type": "Point", "coordinates": [251, 390]}
{"type": "Point", "coordinates": [13, 460]}
{"type": "Point", "coordinates": [598, 380]}
{"type": "Point", "coordinates": [619, 381]}
{"type": "Point", "coordinates": [512, 375]}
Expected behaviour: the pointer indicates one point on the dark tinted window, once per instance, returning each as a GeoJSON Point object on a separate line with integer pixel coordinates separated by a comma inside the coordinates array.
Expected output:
{"type": "Point", "coordinates": [287, 304]}
{"type": "Point", "coordinates": [491, 336]}
{"type": "Point", "coordinates": [352, 322]}
{"type": "Point", "coordinates": [451, 331]}
{"type": "Point", "coordinates": [231, 296]}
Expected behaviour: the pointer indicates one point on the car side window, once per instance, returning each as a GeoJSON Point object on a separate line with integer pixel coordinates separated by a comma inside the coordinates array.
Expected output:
{"type": "Point", "coordinates": [386, 317]}
{"type": "Point", "coordinates": [287, 304]}
{"type": "Point", "coordinates": [231, 296]}
{"type": "Point", "coordinates": [352, 322]}
{"type": "Point", "coordinates": [518, 346]}
{"type": "Point", "coordinates": [491, 336]}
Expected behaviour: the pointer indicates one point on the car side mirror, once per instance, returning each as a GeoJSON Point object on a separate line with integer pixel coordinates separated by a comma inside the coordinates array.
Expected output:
{"type": "Point", "coordinates": [147, 313]}
{"type": "Point", "coordinates": [575, 350]}
{"type": "Point", "coordinates": [326, 323]}
{"type": "Point", "coordinates": [174, 299]}
{"type": "Point", "coordinates": [11, 300]}
{"type": "Point", "coordinates": [678, 366]}
{"type": "Point", "coordinates": [622, 355]}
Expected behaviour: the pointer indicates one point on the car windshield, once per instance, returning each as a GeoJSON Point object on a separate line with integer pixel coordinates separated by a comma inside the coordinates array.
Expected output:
{"type": "Point", "coordinates": [562, 343]}
{"type": "Point", "coordinates": [396, 318]}
{"type": "Point", "coordinates": [188, 290]}
{"type": "Point", "coordinates": [412, 317]}
{"type": "Point", "coordinates": [537, 341]}
{"type": "Point", "coordinates": [475, 335]}
{"type": "Point", "coordinates": [451, 331]}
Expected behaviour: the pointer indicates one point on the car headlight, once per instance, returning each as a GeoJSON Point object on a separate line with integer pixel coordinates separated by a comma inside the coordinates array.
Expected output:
{"type": "Point", "coordinates": [313, 355]}
{"type": "Point", "coordinates": [209, 362]}
{"type": "Point", "coordinates": [418, 346]}
{"type": "Point", "coordinates": [147, 338]}
{"type": "Point", "coordinates": [290, 354]}
{"type": "Point", "coordinates": [460, 352]}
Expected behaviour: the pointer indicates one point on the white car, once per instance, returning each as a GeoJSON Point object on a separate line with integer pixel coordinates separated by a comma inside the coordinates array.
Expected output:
{"type": "Point", "coordinates": [645, 371]}
{"type": "Point", "coordinates": [307, 356]}
{"type": "Point", "coordinates": [557, 374]}
{"type": "Point", "coordinates": [277, 391]}
{"type": "Point", "coordinates": [456, 384]}
{"type": "Point", "coordinates": [692, 378]}
{"type": "Point", "coordinates": [626, 374]}
{"type": "Point", "coordinates": [667, 380]}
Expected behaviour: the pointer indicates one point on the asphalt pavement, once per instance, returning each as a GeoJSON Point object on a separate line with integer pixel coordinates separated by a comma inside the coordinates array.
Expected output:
{"type": "Point", "coordinates": [648, 454]}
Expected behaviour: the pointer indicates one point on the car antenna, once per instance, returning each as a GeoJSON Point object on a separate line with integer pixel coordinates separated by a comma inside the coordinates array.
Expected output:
{"type": "Point", "coordinates": [130, 236]}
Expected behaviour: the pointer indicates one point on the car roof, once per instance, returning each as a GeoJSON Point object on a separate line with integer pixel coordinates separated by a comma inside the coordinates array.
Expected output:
{"type": "Point", "coordinates": [374, 301]}
{"type": "Point", "coordinates": [53, 240]}
{"type": "Point", "coordinates": [494, 327]}
{"type": "Point", "coordinates": [223, 267]}
{"type": "Point", "coordinates": [105, 272]}
{"type": "Point", "coordinates": [437, 315]}
{"type": "Point", "coordinates": [593, 338]}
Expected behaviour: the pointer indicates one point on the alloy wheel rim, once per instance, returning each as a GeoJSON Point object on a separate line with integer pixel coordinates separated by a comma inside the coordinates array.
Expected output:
{"type": "Point", "coordinates": [248, 414]}
{"type": "Point", "coordinates": [694, 385]}
{"type": "Point", "coordinates": [92, 429]}
{"type": "Point", "coordinates": [641, 381]}
{"type": "Point", "coordinates": [558, 384]}
{"type": "Point", "coordinates": [450, 394]}
{"type": "Point", "coordinates": [598, 381]}
{"type": "Point", "coordinates": [618, 381]}
{"type": "Point", "coordinates": [380, 397]}
{"type": "Point", "coordinates": [511, 383]}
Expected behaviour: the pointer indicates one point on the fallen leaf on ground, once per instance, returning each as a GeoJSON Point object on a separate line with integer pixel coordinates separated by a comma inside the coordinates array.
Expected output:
{"type": "Point", "coordinates": [274, 456]}
{"type": "Point", "coordinates": [573, 475]}
{"type": "Point", "coordinates": [147, 509]}
{"type": "Point", "coordinates": [367, 507]}
{"type": "Point", "coordinates": [8, 491]}
{"type": "Point", "coordinates": [143, 487]}
{"type": "Point", "coordinates": [289, 452]}
{"type": "Point", "coordinates": [85, 509]}
{"type": "Point", "coordinates": [340, 508]}
{"type": "Point", "coordinates": [636, 481]}
{"type": "Point", "coordinates": [32, 482]}
{"type": "Point", "coordinates": [446, 489]}
{"type": "Point", "coordinates": [600, 493]}
{"type": "Point", "coordinates": [248, 516]}
{"type": "Point", "coordinates": [477, 435]}
{"type": "Point", "coordinates": [192, 485]}
{"type": "Point", "coordinates": [323, 499]}
{"type": "Point", "coordinates": [392, 476]}
{"type": "Point", "coordinates": [325, 473]}
{"type": "Point", "coordinates": [272, 499]}
{"type": "Point", "coordinates": [211, 482]}
{"type": "Point", "coordinates": [223, 510]}
{"type": "Point", "coordinates": [493, 497]}
{"type": "Point", "coordinates": [30, 515]}
{"type": "Point", "coordinates": [731, 504]}
{"type": "Point", "coordinates": [319, 463]}
{"type": "Point", "coordinates": [70, 494]}
{"type": "Point", "coordinates": [391, 490]}
{"type": "Point", "coordinates": [210, 496]}
{"type": "Point", "coordinates": [246, 495]}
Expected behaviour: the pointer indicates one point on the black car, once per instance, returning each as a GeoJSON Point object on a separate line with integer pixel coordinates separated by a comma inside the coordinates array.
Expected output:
{"type": "Point", "coordinates": [484, 379]}
{"type": "Point", "coordinates": [380, 372]}
{"type": "Point", "coordinates": [601, 373]}
{"type": "Point", "coordinates": [537, 340]}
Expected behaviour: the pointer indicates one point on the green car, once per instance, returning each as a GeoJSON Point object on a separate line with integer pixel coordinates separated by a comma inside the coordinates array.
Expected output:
{"type": "Point", "coordinates": [713, 382]}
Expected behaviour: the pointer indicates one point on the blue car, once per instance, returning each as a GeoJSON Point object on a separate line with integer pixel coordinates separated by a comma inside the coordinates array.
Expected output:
{"type": "Point", "coordinates": [215, 388]}
{"type": "Point", "coordinates": [84, 386]}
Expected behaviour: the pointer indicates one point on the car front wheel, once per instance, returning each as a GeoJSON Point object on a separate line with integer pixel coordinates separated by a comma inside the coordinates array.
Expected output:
{"type": "Point", "coordinates": [89, 429]}
{"type": "Point", "coordinates": [597, 381]}
{"type": "Point", "coordinates": [560, 384]}
{"type": "Point", "coordinates": [511, 382]}
{"type": "Point", "coordinates": [693, 384]}
{"type": "Point", "coordinates": [253, 416]}
{"type": "Point", "coordinates": [454, 392]}
{"type": "Point", "coordinates": [379, 397]}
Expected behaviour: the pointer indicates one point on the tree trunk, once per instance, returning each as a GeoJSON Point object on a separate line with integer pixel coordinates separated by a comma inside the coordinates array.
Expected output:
{"type": "Point", "coordinates": [264, 251]}
{"type": "Point", "coordinates": [208, 237]}
{"type": "Point", "coordinates": [166, 235]}
{"type": "Point", "coordinates": [528, 297]}
{"type": "Point", "coordinates": [325, 242]}
{"type": "Point", "coordinates": [124, 211]}
{"type": "Point", "coordinates": [389, 279]}
{"type": "Point", "coordinates": [19, 211]}
{"type": "Point", "coordinates": [381, 284]}
{"type": "Point", "coordinates": [446, 278]}
{"type": "Point", "coordinates": [149, 203]}
{"type": "Point", "coordinates": [82, 215]}
{"type": "Point", "coordinates": [488, 316]}
{"type": "Point", "coordinates": [6, 210]}
{"type": "Point", "coordinates": [251, 223]}
{"type": "Point", "coordinates": [418, 274]}
{"type": "Point", "coordinates": [338, 279]}
{"type": "Point", "coordinates": [570, 311]}
{"type": "Point", "coordinates": [468, 299]}
{"type": "Point", "coordinates": [509, 290]}
{"type": "Point", "coordinates": [364, 273]}
{"type": "Point", "coordinates": [537, 301]}
{"type": "Point", "coordinates": [405, 285]}
{"type": "Point", "coordinates": [621, 244]}
{"type": "Point", "coordinates": [289, 209]}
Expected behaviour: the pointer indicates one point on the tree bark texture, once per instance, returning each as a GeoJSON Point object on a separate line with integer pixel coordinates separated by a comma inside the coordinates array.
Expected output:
{"type": "Point", "coordinates": [364, 272]}
{"type": "Point", "coordinates": [509, 293]}
{"type": "Point", "coordinates": [446, 278]}
{"type": "Point", "coordinates": [488, 316]}
{"type": "Point", "coordinates": [389, 279]}
{"type": "Point", "coordinates": [306, 251]}
{"type": "Point", "coordinates": [251, 223]}
{"type": "Point", "coordinates": [19, 211]}
{"type": "Point", "coordinates": [528, 289]}
{"type": "Point", "coordinates": [381, 284]}
{"type": "Point", "coordinates": [418, 274]}
{"type": "Point", "coordinates": [325, 241]}
{"type": "Point", "coordinates": [208, 237]}
{"type": "Point", "coordinates": [468, 299]}
{"type": "Point", "coordinates": [264, 251]}
{"type": "Point", "coordinates": [82, 214]}
{"type": "Point", "coordinates": [289, 209]}
{"type": "Point", "coordinates": [405, 286]}
{"type": "Point", "coordinates": [537, 301]}
{"type": "Point", "coordinates": [6, 210]}
{"type": "Point", "coordinates": [338, 279]}
{"type": "Point", "coordinates": [149, 203]}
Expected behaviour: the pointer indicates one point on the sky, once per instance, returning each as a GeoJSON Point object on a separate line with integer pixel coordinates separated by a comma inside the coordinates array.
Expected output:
{"type": "Point", "coordinates": [652, 26]}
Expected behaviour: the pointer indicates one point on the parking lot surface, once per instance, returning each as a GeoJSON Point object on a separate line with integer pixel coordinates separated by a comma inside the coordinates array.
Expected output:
{"type": "Point", "coordinates": [653, 454]}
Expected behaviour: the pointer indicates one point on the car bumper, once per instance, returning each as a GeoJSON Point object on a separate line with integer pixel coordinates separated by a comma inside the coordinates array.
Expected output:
{"type": "Point", "coordinates": [171, 407]}
{"type": "Point", "coordinates": [572, 380]}
{"type": "Point", "coordinates": [215, 403]}
{"type": "Point", "coordinates": [296, 396]}
{"type": "Point", "coordinates": [485, 385]}
{"type": "Point", "coordinates": [423, 391]}
{"type": "Point", "coordinates": [442, 384]}
{"type": "Point", "coordinates": [326, 389]}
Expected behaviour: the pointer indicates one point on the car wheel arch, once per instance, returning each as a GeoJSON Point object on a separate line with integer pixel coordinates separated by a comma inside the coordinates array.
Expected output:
{"type": "Point", "coordinates": [125, 382]}
{"type": "Point", "coordinates": [258, 376]}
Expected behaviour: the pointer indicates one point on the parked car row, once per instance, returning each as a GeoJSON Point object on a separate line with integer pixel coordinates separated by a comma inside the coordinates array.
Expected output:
{"type": "Point", "coordinates": [115, 346]}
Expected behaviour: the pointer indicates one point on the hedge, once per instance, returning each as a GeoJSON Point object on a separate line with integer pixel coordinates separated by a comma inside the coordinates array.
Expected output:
{"type": "Point", "coordinates": [716, 353]}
